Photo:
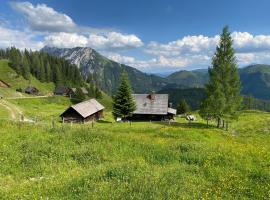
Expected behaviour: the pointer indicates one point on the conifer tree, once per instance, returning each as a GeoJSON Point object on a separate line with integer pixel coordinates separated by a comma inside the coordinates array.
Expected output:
{"type": "Point", "coordinates": [79, 95]}
{"type": "Point", "coordinates": [91, 90]}
{"type": "Point", "coordinates": [223, 90]}
{"type": "Point", "coordinates": [25, 68]}
{"type": "Point", "coordinates": [48, 72]}
{"type": "Point", "coordinates": [183, 107]}
{"type": "Point", "coordinates": [123, 102]}
{"type": "Point", "coordinates": [98, 93]}
{"type": "Point", "coordinates": [15, 59]}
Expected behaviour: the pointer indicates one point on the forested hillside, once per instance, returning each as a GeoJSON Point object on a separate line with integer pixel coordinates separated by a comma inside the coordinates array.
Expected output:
{"type": "Point", "coordinates": [44, 67]}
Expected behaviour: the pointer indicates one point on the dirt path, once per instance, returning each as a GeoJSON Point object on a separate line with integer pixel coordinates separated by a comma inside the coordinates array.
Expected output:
{"type": "Point", "coordinates": [15, 112]}
{"type": "Point", "coordinates": [11, 112]}
{"type": "Point", "coordinates": [31, 97]}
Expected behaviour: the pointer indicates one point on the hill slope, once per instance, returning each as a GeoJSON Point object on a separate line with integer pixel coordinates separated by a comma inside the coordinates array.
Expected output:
{"type": "Point", "coordinates": [190, 79]}
{"type": "Point", "coordinates": [256, 81]}
{"type": "Point", "coordinates": [104, 72]}
{"type": "Point", "coordinates": [8, 75]}
{"type": "Point", "coordinates": [193, 96]}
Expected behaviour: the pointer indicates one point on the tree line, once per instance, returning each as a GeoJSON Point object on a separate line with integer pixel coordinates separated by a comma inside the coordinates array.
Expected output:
{"type": "Point", "coordinates": [42, 66]}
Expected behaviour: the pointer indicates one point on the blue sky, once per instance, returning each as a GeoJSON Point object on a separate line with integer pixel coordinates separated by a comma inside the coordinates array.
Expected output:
{"type": "Point", "coordinates": [151, 35]}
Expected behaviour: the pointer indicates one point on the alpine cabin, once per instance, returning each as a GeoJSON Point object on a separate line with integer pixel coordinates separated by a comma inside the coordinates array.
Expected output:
{"type": "Point", "coordinates": [90, 110]}
{"type": "Point", "coordinates": [153, 107]}
{"type": "Point", "coordinates": [31, 90]}
{"type": "Point", "coordinates": [63, 91]}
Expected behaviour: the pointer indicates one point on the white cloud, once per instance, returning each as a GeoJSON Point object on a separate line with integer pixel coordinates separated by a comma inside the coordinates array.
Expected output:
{"type": "Point", "coordinates": [245, 59]}
{"type": "Point", "coordinates": [198, 50]}
{"type": "Point", "coordinates": [246, 42]}
{"type": "Point", "coordinates": [114, 40]}
{"type": "Point", "coordinates": [66, 40]}
{"type": "Point", "coordinates": [160, 63]}
{"type": "Point", "coordinates": [243, 42]}
{"type": "Point", "coordinates": [44, 18]}
{"type": "Point", "coordinates": [61, 31]}
{"type": "Point", "coordinates": [19, 39]}
{"type": "Point", "coordinates": [186, 45]}
{"type": "Point", "coordinates": [110, 41]}
{"type": "Point", "coordinates": [120, 59]}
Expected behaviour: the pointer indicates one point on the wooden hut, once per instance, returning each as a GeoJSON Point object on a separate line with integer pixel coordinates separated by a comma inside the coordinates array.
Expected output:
{"type": "Point", "coordinates": [4, 84]}
{"type": "Point", "coordinates": [64, 91]}
{"type": "Point", "coordinates": [153, 107]}
{"type": "Point", "coordinates": [90, 110]}
{"type": "Point", "coordinates": [31, 90]}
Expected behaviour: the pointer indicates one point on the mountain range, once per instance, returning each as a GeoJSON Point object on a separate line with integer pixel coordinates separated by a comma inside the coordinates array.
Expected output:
{"type": "Point", "coordinates": [105, 73]}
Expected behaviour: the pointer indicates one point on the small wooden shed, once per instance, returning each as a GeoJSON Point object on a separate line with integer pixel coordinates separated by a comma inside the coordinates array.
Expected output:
{"type": "Point", "coordinates": [64, 91]}
{"type": "Point", "coordinates": [31, 90]}
{"type": "Point", "coordinates": [90, 110]}
{"type": "Point", "coordinates": [4, 84]}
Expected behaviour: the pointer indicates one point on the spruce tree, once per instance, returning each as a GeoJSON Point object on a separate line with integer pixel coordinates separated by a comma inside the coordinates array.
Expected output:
{"type": "Point", "coordinates": [25, 68]}
{"type": "Point", "coordinates": [98, 93]}
{"type": "Point", "coordinates": [223, 90]}
{"type": "Point", "coordinates": [79, 95]}
{"type": "Point", "coordinates": [123, 102]}
{"type": "Point", "coordinates": [91, 90]}
{"type": "Point", "coordinates": [183, 107]}
{"type": "Point", "coordinates": [48, 72]}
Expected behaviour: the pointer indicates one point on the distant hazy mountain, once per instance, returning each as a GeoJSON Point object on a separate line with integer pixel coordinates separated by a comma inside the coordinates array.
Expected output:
{"type": "Point", "coordinates": [104, 72]}
{"type": "Point", "coordinates": [190, 79]}
{"type": "Point", "coordinates": [256, 81]}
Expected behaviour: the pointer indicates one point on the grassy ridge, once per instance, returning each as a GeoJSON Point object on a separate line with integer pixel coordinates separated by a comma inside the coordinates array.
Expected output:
{"type": "Point", "coordinates": [144, 161]}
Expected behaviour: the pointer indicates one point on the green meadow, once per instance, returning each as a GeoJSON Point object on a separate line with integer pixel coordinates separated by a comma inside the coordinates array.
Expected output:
{"type": "Point", "coordinates": [140, 160]}
{"type": "Point", "coordinates": [45, 159]}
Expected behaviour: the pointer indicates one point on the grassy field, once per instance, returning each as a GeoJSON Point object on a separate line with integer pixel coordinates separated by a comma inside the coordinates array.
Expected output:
{"type": "Point", "coordinates": [8, 75]}
{"type": "Point", "coordinates": [142, 161]}
{"type": "Point", "coordinates": [43, 108]}
{"type": "Point", "coordinates": [4, 113]}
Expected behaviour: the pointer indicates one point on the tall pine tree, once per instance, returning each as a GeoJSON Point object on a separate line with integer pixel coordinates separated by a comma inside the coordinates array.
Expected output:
{"type": "Point", "coordinates": [123, 102]}
{"type": "Point", "coordinates": [223, 90]}
{"type": "Point", "coordinates": [26, 68]}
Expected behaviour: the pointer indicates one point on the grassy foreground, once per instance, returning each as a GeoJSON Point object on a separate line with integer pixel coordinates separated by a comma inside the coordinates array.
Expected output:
{"type": "Point", "coordinates": [144, 161]}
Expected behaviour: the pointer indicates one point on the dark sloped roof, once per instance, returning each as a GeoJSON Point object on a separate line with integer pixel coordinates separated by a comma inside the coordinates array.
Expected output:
{"type": "Point", "coordinates": [31, 89]}
{"type": "Point", "coordinates": [87, 108]}
{"type": "Point", "coordinates": [157, 106]}
{"type": "Point", "coordinates": [62, 90]}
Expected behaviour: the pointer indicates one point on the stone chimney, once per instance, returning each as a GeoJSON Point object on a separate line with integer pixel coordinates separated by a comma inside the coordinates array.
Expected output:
{"type": "Point", "coordinates": [152, 96]}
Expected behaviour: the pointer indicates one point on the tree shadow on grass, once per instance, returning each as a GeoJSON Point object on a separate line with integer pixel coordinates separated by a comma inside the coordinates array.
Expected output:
{"type": "Point", "coordinates": [187, 125]}
{"type": "Point", "coordinates": [104, 122]}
